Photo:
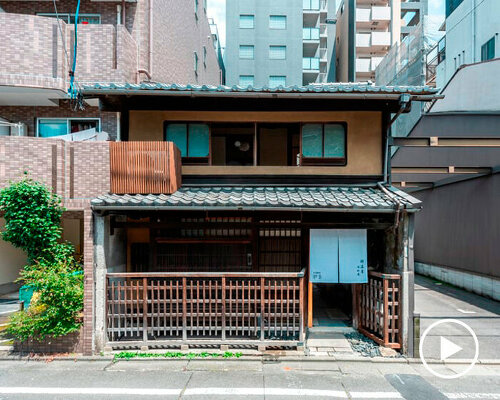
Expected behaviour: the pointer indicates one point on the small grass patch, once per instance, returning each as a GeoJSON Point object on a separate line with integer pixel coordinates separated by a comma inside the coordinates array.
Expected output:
{"type": "Point", "coordinates": [127, 355]}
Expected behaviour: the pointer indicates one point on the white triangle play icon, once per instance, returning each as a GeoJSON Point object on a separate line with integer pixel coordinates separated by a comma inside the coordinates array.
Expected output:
{"type": "Point", "coordinates": [448, 348]}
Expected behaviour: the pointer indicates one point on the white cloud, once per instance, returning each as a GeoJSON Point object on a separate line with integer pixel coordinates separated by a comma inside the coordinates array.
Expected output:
{"type": "Point", "coordinates": [216, 9]}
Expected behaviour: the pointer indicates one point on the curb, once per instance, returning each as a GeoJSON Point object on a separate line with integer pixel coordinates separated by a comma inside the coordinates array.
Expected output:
{"type": "Point", "coordinates": [264, 358]}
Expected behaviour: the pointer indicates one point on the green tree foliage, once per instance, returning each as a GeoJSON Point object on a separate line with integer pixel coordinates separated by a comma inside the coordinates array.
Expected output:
{"type": "Point", "coordinates": [32, 219]}
{"type": "Point", "coordinates": [33, 223]}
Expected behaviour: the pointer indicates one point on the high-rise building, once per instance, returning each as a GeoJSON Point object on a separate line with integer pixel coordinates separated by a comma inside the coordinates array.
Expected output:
{"type": "Point", "coordinates": [472, 29]}
{"type": "Point", "coordinates": [366, 30]}
{"type": "Point", "coordinates": [283, 42]}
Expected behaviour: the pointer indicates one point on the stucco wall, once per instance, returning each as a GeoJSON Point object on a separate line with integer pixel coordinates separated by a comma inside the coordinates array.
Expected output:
{"type": "Point", "coordinates": [11, 260]}
{"type": "Point", "coordinates": [364, 137]}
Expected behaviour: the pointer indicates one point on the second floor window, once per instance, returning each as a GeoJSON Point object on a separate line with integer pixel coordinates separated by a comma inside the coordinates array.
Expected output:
{"type": "Point", "coordinates": [191, 139]}
{"type": "Point", "coordinates": [247, 52]}
{"type": "Point", "coordinates": [277, 21]}
{"type": "Point", "coordinates": [247, 21]}
{"type": "Point", "coordinates": [488, 50]}
{"type": "Point", "coordinates": [277, 52]}
{"type": "Point", "coordinates": [49, 127]}
{"type": "Point", "coordinates": [324, 144]}
{"type": "Point", "coordinates": [246, 80]}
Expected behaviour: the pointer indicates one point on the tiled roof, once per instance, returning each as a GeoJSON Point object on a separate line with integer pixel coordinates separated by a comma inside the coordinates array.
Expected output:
{"type": "Point", "coordinates": [266, 197]}
{"type": "Point", "coordinates": [361, 87]}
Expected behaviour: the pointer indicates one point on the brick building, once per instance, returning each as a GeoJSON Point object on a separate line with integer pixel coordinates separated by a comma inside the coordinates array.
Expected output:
{"type": "Point", "coordinates": [118, 41]}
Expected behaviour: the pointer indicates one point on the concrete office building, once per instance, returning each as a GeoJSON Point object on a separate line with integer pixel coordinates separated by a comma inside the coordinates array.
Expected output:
{"type": "Point", "coordinates": [472, 29]}
{"type": "Point", "coordinates": [283, 42]}
{"type": "Point", "coordinates": [366, 30]}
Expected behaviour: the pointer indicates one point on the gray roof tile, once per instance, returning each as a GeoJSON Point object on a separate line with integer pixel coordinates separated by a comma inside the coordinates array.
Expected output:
{"type": "Point", "coordinates": [230, 197]}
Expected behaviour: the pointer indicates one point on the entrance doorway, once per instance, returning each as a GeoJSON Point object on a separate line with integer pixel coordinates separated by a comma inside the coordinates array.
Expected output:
{"type": "Point", "coordinates": [332, 305]}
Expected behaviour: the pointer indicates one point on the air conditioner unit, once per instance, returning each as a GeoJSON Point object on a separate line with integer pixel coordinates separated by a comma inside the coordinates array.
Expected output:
{"type": "Point", "coordinates": [19, 130]}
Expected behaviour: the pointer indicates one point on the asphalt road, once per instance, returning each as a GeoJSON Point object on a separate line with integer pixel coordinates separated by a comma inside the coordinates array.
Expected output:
{"type": "Point", "coordinates": [436, 301]}
{"type": "Point", "coordinates": [233, 379]}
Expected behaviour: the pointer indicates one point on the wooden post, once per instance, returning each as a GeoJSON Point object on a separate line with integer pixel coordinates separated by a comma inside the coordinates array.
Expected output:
{"type": "Point", "coordinates": [310, 305]}
{"type": "Point", "coordinates": [145, 309]}
{"type": "Point", "coordinates": [386, 311]}
{"type": "Point", "coordinates": [301, 309]}
{"type": "Point", "coordinates": [262, 306]}
{"type": "Point", "coordinates": [223, 308]}
{"type": "Point", "coordinates": [184, 309]}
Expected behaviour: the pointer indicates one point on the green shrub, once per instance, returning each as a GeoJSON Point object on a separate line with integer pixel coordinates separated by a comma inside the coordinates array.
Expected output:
{"type": "Point", "coordinates": [33, 223]}
{"type": "Point", "coordinates": [56, 307]}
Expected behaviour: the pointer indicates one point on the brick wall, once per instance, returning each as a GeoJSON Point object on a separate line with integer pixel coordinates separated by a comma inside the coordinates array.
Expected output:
{"type": "Point", "coordinates": [77, 171]}
{"type": "Point", "coordinates": [185, 34]}
{"type": "Point", "coordinates": [28, 116]}
{"type": "Point", "coordinates": [71, 343]}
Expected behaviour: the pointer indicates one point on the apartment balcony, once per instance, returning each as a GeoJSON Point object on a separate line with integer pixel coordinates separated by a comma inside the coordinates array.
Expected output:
{"type": "Point", "coordinates": [373, 17]}
{"type": "Point", "coordinates": [373, 41]}
{"type": "Point", "coordinates": [36, 56]}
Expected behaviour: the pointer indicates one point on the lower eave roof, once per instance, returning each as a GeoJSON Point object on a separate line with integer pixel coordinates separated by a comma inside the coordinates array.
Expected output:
{"type": "Point", "coordinates": [322, 198]}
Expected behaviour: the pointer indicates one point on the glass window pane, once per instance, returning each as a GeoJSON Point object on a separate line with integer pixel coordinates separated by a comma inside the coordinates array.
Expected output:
{"type": "Point", "coordinates": [198, 140]}
{"type": "Point", "coordinates": [277, 52]}
{"type": "Point", "coordinates": [246, 80]}
{"type": "Point", "coordinates": [52, 127]}
{"type": "Point", "coordinates": [246, 52]}
{"type": "Point", "coordinates": [277, 21]}
{"type": "Point", "coordinates": [177, 133]}
{"type": "Point", "coordinates": [312, 140]}
{"type": "Point", "coordinates": [334, 140]}
{"type": "Point", "coordinates": [247, 21]}
{"type": "Point", "coordinates": [275, 81]}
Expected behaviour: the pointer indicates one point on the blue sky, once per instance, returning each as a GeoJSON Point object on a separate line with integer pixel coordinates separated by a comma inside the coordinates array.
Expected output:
{"type": "Point", "coordinates": [217, 10]}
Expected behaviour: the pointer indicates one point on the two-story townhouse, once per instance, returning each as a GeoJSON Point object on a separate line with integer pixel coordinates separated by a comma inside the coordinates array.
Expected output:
{"type": "Point", "coordinates": [236, 216]}
{"type": "Point", "coordinates": [115, 41]}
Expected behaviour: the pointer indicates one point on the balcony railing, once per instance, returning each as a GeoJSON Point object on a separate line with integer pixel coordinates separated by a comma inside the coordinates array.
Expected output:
{"type": "Point", "coordinates": [310, 33]}
{"type": "Point", "coordinates": [34, 54]}
{"type": "Point", "coordinates": [144, 167]}
{"type": "Point", "coordinates": [151, 308]}
{"type": "Point", "coordinates": [310, 63]}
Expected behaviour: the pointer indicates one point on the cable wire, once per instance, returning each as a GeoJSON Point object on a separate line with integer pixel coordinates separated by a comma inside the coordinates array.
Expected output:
{"type": "Point", "coordinates": [72, 91]}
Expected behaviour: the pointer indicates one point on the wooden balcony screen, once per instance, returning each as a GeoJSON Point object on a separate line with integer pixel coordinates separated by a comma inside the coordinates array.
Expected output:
{"type": "Point", "coordinates": [379, 309]}
{"type": "Point", "coordinates": [226, 307]}
{"type": "Point", "coordinates": [144, 167]}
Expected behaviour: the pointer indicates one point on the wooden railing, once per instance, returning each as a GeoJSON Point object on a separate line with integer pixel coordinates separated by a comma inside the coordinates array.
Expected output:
{"type": "Point", "coordinates": [379, 309]}
{"type": "Point", "coordinates": [144, 167]}
{"type": "Point", "coordinates": [224, 307]}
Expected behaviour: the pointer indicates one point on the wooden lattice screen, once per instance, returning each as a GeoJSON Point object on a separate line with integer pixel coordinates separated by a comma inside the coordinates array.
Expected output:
{"type": "Point", "coordinates": [379, 309]}
{"type": "Point", "coordinates": [144, 167]}
{"type": "Point", "coordinates": [176, 306]}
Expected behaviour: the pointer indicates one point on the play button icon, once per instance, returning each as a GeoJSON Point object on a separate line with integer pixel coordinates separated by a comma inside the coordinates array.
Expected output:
{"type": "Point", "coordinates": [448, 348]}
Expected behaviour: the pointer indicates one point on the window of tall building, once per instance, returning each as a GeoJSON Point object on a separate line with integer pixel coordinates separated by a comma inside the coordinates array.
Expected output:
{"type": "Point", "coordinates": [277, 80]}
{"type": "Point", "coordinates": [277, 21]}
{"type": "Point", "coordinates": [488, 50]}
{"type": "Point", "coordinates": [247, 21]}
{"type": "Point", "coordinates": [311, 4]}
{"type": "Point", "coordinates": [246, 80]}
{"type": "Point", "coordinates": [277, 52]}
{"type": "Point", "coordinates": [247, 52]}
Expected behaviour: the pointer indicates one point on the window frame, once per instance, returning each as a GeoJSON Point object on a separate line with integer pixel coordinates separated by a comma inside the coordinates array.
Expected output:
{"type": "Point", "coordinates": [324, 161]}
{"type": "Point", "coordinates": [246, 58]}
{"type": "Point", "coordinates": [246, 15]}
{"type": "Point", "coordinates": [484, 48]}
{"type": "Point", "coordinates": [278, 15]}
{"type": "Point", "coordinates": [239, 80]}
{"type": "Point", "coordinates": [277, 45]}
{"type": "Point", "coordinates": [276, 76]}
{"type": "Point", "coordinates": [69, 15]}
{"type": "Point", "coordinates": [187, 160]}
{"type": "Point", "coordinates": [68, 125]}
